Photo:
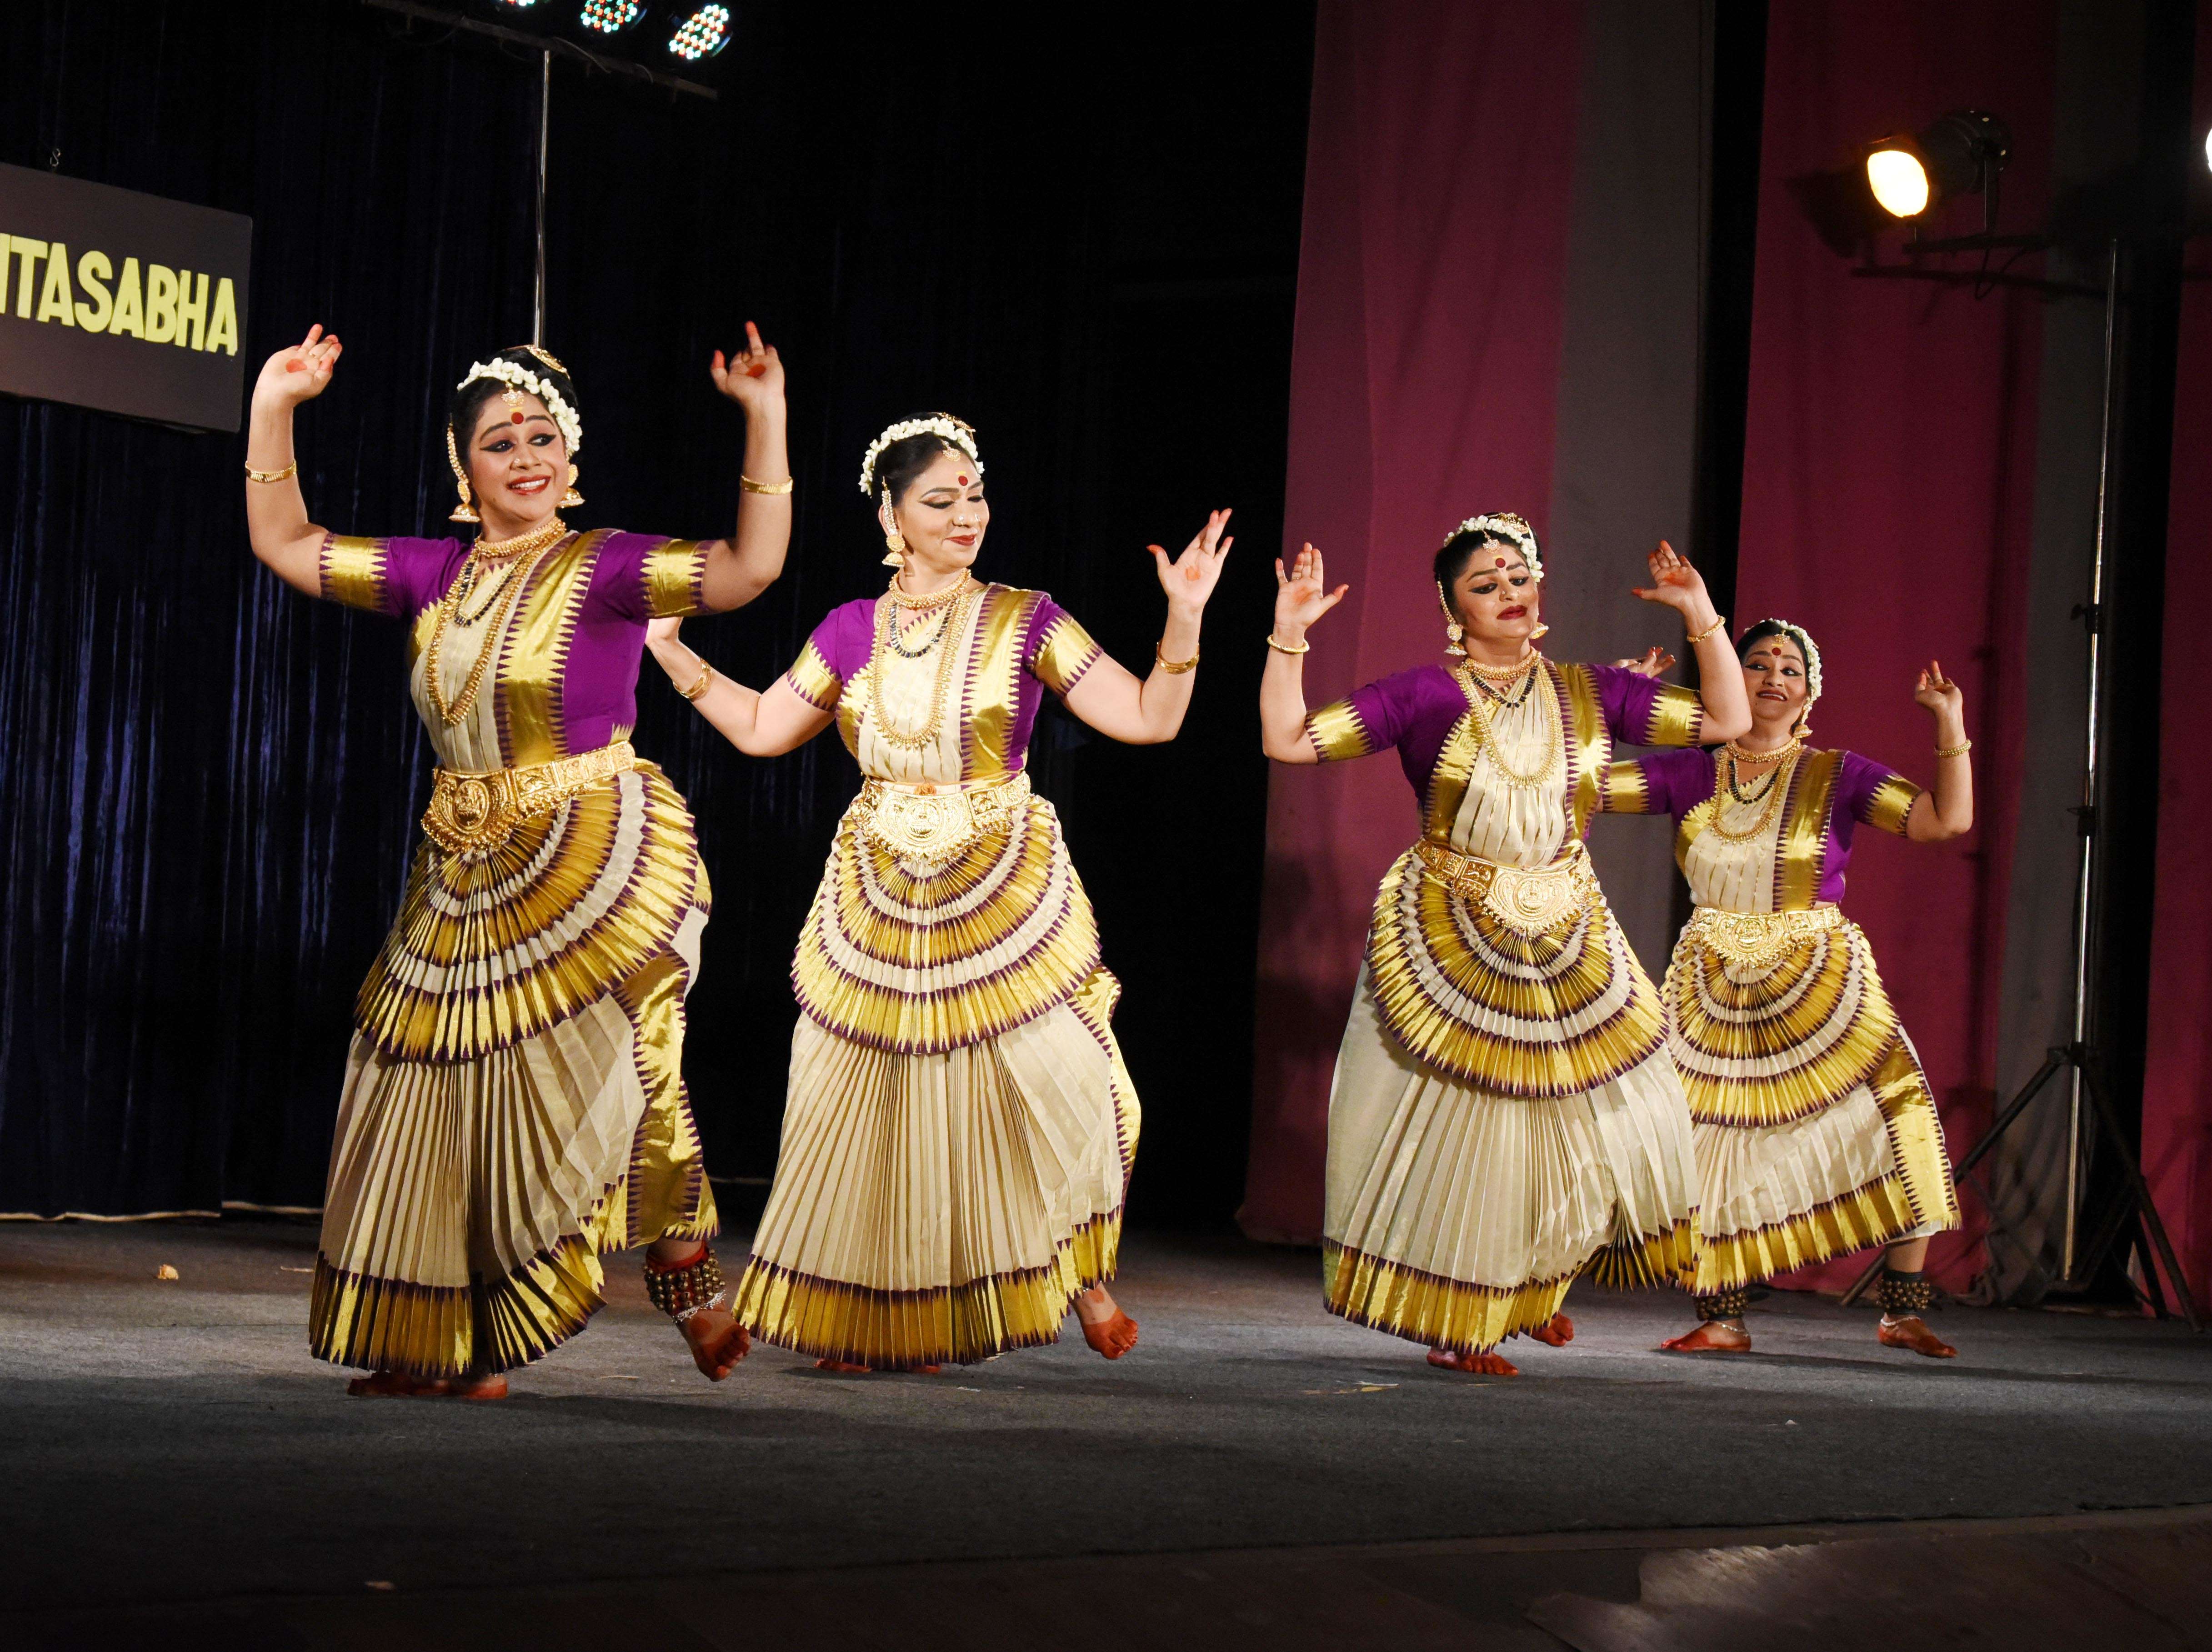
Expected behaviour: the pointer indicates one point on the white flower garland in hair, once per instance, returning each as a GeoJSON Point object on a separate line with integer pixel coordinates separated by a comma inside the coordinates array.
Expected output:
{"type": "Point", "coordinates": [950, 428]}
{"type": "Point", "coordinates": [509, 373]}
{"type": "Point", "coordinates": [1508, 526]}
{"type": "Point", "coordinates": [1798, 634]}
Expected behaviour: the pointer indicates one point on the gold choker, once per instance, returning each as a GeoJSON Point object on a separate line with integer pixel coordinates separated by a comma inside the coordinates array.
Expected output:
{"type": "Point", "coordinates": [935, 598]}
{"type": "Point", "coordinates": [1501, 674]}
{"type": "Point", "coordinates": [497, 551]}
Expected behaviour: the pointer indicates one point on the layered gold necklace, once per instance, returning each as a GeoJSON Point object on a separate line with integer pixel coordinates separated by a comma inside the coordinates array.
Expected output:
{"type": "Point", "coordinates": [1726, 789]}
{"type": "Point", "coordinates": [1476, 680]}
{"type": "Point", "coordinates": [514, 560]}
{"type": "Point", "coordinates": [954, 600]}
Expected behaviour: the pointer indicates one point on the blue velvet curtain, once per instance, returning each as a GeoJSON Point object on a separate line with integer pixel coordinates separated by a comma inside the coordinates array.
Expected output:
{"type": "Point", "coordinates": [209, 785]}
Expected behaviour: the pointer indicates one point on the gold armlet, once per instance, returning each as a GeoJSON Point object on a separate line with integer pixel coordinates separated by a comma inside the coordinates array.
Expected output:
{"type": "Point", "coordinates": [1958, 750]}
{"type": "Point", "coordinates": [1288, 648]}
{"type": "Point", "coordinates": [706, 681]}
{"type": "Point", "coordinates": [1697, 637]}
{"type": "Point", "coordinates": [252, 474]}
{"type": "Point", "coordinates": [1173, 667]}
{"type": "Point", "coordinates": [753, 487]}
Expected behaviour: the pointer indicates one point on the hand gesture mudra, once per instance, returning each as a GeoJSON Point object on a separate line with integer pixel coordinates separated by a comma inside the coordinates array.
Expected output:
{"type": "Point", "coordinates": [662, 630]}
{"type": "Point", "coordinates": [1938, 693]}
{"type": "Point", "coordinates": [1674, 583]}
{"type": "Point", "coordinates": [1656, 662]}
{"type": "Point", "coordinates": [300, 372]}
{"type": "Point", "coordinates": [1190, 579]}
{"type": "Point", "coordinates": [1302, 594]}
{"type": "Point", "coordinates": [753, 377]}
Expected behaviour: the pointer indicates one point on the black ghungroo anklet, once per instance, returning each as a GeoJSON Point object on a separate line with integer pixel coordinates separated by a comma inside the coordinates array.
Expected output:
{"type": "Point", "coordinates": [1723, 1305]}
{"type": "Point", "coordinates": [1903, 1294]}
{"type": "Point", "coordinates": [680, 1292]}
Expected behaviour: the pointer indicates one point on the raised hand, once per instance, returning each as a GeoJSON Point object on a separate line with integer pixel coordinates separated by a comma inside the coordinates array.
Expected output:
{"type": "Point", "coordinates": [299, 373]}
{"type": "Point", "coordinates": [753, 377]}
{"type": "Point", "coordinates": [1939, 694]}
{"type": "Point", "coordinates": [1675, 584]}
{"type": "Point", "coordinates": [1656, 662]}
{"type": "Point", "coordinates": [1190, 579]}
{"type": "Point", "coordinates": [1302, 594]}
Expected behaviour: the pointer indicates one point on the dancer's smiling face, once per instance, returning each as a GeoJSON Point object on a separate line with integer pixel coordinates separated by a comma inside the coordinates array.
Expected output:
{"type": "Point", "coordinates": [1775, 679]}
{"type": "Point", "coordinates": [1496, 596]}
{"type": "Point", "coordinates": [943, 516]}
{"type": "Point", "coordinates": [518, 464]}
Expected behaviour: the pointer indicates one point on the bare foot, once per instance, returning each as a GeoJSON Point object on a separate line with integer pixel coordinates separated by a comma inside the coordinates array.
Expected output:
{"type": "Point", "coordinates": [1109, 1332]}
{"type": "Point", "coordinates": [1911, 1332]}
{"type": "Point", "coordinates": [718, 1342]}
{"type": "Point", "coordinates": [1473, 1364]}
{"type": "Point", "coordinates": [1711, 1336]}
{"type": "Point", "coordinates": [397, 1385]}
{"type": "Point", "coordinates": [1559, 1331]}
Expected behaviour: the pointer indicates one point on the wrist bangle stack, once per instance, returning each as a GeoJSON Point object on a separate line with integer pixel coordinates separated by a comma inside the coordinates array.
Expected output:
{"type": "Point", "coordinates": [1298, 647]}
{"type": "Point", "coordinates": [706, 681]}
{"type": "Point", "coordinates": [1718, 624]}
{"type": "Point", "coordinates": [1958, 750]}
{"type": "Point", "coordinates": [252, 474]}
{"type": "Point", "coordinates": [753, 487]}
{"type": "Point", "coordinates": [1173, 667]}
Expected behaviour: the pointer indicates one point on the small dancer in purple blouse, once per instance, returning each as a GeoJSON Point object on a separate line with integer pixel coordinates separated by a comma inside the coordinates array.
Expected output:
{"type": "Point", "coordinates": [1503, 1114]}
{"type": "Point", "coordinates": [1816, 1131]}
{"type": "Point", "coordinates": [959, 1127]}
{"type": "Point", "coordinates": [513, 1104]}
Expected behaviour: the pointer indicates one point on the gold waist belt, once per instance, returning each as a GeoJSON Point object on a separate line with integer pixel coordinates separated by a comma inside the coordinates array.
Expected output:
{"type": "Point", "coordinates": [472, 815]}
{"type": "Point", "coordinates": [1753, 938]}
{"type": "Point", "coordinates": [933, 822]}
{"type": "Point", "coordinates": [1529, 900]}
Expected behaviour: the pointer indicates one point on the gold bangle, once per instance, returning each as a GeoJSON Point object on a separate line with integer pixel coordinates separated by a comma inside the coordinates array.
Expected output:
{"type": "Point", "coordinates": [753, 487]}
{"type": "Point", "coordinates": [252, 474]}
{"type": "Point", "coordinates": [1173, 667]}
{"type": "Point", "coordinates": [1958, 750]}
{"type": "Point", "coordinates": [1287, 648]}
{"type": "Point", "coordinates": [1697, 637]}
{"type": "Point", "coordinates": [706, 680]}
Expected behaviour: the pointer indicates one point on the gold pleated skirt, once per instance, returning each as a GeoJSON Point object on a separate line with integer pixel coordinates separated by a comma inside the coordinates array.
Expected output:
{"type": "Point", "coordinates": [1815, 1130]}
{"type": "Point", "coordinates": [513, 1104]}
{"type": "Point", "coordinates": [934, 1208]}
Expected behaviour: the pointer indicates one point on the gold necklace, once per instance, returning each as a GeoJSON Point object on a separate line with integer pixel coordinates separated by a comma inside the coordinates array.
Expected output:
{"type": "Point", "coordinates": [887, 630]}
{"type": "Point", "coordinates": [1776, 791]}
{"type": "Point", "coordinates": [1502, 676]}
{"type": "Point", "coordinates": [1486, 739]}
{"type": "Point", "coordinates": [450, 713]}
{"type": "Point", "coordinates": [1789, 748]}
{"type": "Point", "coordinates": [935, 598]}
{"type": "Point", "coordinates": [495, 550]}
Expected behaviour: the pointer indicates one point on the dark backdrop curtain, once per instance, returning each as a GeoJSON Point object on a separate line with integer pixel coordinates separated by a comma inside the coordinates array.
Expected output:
{"type": "Point", "coordinates": [208, 785]}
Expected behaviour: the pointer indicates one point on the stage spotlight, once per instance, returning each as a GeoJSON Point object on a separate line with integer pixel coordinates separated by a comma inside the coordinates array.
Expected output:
{"type": "Point", "coordinates": [609, 16]}
{"type": "Point", "coordinates": [2208, 149]}
{"type": "Point", "coordinates": [1960, 155]}
{"type": "Point", "coordinates": [701, 34]}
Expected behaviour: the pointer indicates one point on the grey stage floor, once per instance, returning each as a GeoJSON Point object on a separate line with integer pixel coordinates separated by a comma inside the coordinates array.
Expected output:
{"type": "Point", "coordinates": [163, 1444]}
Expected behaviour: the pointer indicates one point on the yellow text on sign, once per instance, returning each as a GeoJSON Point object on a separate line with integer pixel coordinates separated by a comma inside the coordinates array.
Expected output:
{"type": "Point", "coordinates": [167, 307]}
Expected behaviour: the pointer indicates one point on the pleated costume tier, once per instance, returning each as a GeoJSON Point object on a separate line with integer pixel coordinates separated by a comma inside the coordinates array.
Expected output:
{"type": "Point", "coordinates": [1504, 1115]}
{"type": "Point", "coordinates": [958, 1127]}
{"type": "Point", "coordinates": [1816, 1132]}
{"type": "Point", "coordinates": [514, 1103]}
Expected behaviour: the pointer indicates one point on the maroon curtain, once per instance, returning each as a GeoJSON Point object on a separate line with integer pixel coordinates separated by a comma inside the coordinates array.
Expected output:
{"type": "Point", "coordinates": [1889, 493]}
{"type": "Point", "coordinates": [2177, 1125]}
{"type": "Point", "coordinates": [1423, 382]}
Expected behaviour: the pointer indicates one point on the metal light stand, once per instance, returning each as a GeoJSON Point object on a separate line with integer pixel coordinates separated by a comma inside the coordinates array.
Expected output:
{"type": "Point", "coordinates": [544, 146]}
{"type": "Point", "coordinates": [2079, 1058]}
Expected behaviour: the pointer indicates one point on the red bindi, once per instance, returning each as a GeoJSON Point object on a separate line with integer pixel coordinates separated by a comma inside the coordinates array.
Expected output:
{"type": "Point", "coordinates": [963, 479]}
{"type": "Point", "coordinates": [1501, 561]}
{"type": "Point", "coordinates": [515, 417]}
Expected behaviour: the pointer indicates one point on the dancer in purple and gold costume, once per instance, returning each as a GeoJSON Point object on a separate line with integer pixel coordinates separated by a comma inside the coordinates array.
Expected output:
{"type": "Point", "coordinates": [1816, 1132]}
{"type": "Point", "coordinates": [1503, 1114]}
{"type": "Point", "coordinates": [959, 1127]}
{"type": "Point", "coordinates": [513, 1102]}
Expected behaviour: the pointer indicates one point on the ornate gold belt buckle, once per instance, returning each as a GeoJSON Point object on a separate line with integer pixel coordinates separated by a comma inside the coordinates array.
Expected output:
{"type": "Point", "coordinates": [1532, 902]}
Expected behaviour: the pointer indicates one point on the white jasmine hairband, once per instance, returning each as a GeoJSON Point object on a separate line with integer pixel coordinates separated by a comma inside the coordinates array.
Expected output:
{"type": "Point", "coordinates": [1505, 525]}
{"type": "Point", "coordinates": [521, 378]}
{"type": "Point", "coordinates": [951, 430]}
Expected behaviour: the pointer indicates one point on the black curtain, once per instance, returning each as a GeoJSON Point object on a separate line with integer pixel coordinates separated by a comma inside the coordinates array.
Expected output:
{"type": "Point", "coordinates": [1083, 241]}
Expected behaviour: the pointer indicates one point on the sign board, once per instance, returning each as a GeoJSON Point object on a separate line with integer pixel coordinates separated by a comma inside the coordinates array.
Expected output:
{"type": "Point", "coordinates": [122, 301]}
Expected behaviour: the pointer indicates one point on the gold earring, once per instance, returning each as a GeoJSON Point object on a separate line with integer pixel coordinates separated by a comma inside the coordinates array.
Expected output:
{"type": "Point", "coordinates": [894, 548]}
{"type": "Point", "coordinates": [463, 512]}
{"type": "Point", "coordinates": [1452, 629]}
{"type": "Point", "coordinates": [572, 497]}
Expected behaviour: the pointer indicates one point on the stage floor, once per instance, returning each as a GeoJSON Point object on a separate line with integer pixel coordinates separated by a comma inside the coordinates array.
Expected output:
{"type": "Point", "coordinates": [172, 1457]}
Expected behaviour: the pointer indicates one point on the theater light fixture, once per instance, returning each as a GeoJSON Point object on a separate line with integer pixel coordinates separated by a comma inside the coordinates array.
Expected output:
{"type": "Point", "coordinates": [2208, 149]}
{"type": "Point", "coordinates": [701, 34]}
{"type": "Point", "coordinates": [1962, 153]}
{"type": "Point", "coordinates": [609, 16]}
